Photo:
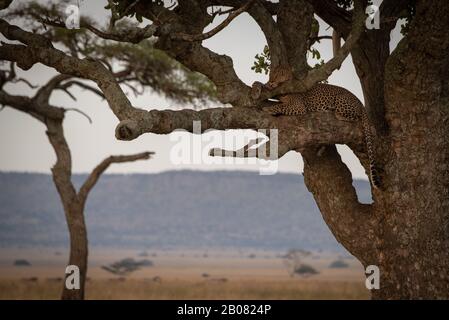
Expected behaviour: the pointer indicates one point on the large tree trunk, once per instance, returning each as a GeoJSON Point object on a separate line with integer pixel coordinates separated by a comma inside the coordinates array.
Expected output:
{"type": "Point", "coordinates": [414, 208]}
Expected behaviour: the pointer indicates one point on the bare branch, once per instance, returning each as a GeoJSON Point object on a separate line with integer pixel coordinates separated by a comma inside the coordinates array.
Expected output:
{"type": "Point", "coordinates": [80, 112]}
{"type": "Point", "coordinates": [319, 38]}
{"type": "Point", "coordinates": [29, 84]}
{"type": "Point", "coordinates": [214, 31]}
{"type": "Point", "coordinates": [43, 94]}
{"type": "Point", "coordinates": [82, 85]}
{"type": "Point", "coordinates": [40, 111]}
{"type": "Point", "coordinates": [270, 150]}
{"type": "Point", "coordinates": [134, 35]}
{"type": "Point", "coordinates": [98, 170]}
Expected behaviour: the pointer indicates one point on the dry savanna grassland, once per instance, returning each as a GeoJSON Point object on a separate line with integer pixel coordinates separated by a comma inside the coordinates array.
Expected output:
{"type": "Point", "coordinates": [184, 275]}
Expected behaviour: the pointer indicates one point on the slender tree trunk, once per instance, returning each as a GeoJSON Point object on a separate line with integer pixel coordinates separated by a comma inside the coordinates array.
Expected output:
{"type": "Point", "coordinates": [73, 206]}
{"type": "Point", "coordinates": [78, 249]}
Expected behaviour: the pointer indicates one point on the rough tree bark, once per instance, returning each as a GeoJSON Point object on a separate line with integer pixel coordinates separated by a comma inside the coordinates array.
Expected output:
{"type": "Point", "coordinates": [405, 231]}
{"type": "Point", "coordinates": [414, 256]}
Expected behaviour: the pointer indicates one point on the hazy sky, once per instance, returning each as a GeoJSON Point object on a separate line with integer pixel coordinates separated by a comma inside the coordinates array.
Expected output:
{"type": "Point", "coordinates": [24, 145]}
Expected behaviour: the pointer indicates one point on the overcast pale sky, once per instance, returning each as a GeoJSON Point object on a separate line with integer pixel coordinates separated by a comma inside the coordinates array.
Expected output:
{"type": "Point", "coordinates": [24, 145]}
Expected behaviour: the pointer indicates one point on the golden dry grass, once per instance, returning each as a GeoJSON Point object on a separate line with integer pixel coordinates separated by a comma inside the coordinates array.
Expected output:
{"type": "Point", "coordinates": [186, 289]}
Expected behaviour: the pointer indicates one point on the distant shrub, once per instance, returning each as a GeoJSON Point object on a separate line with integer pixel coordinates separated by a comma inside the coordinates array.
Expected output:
{"type": "Point", "coordinates": [31, 279]}
{"type": "Point", "coordinates": [126, 266]}
{"type": "Point", "coordinates": [22, 263]}
{"type": "Point", "coordinates": [293, 260]}
{"type": "Point", "coordinates": [145, 263]}
{"type": "Point", "coordinates": [58, 279]}
{"type": "Point", "coordinates": [338, 264]}
{"type": "Point", "coordinates": [252, 256]}
{"type": "Point", "coordinates": [305, 270]}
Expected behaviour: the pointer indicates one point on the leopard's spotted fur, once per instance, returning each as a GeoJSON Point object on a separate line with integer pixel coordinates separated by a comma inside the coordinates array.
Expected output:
{"type": "Point", "coordinates": [323, 97]}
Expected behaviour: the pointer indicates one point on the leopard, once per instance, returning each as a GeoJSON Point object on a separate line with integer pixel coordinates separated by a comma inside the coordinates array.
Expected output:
{"type": "Point", "coordinates": [345, 105]}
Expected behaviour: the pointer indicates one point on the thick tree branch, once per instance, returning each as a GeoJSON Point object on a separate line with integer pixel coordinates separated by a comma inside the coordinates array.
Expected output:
{"type": "Point", "coordinates": [218, 68]}
{"type": "Point", "coordinates": [294, 20]}
{"type": "Point", "coordinates": [44, 52]}
{"type": "Point", "coordinates": [13, 32]}
{"type": "Point", "coordinates": [29, 106]}
{"type": "Point", "coordinates": [293, 132]}
{"type": "Point", "coordinates": [338, 18]}
{"type": "Point", "coordinates": [269, 150]}
{"type": "Point", "coordinates": [275, 41]}
{"type": "Point", "coordinates": [330, 182]}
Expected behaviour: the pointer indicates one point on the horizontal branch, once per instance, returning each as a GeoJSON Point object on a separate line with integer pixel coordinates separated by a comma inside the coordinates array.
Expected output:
{"type": "Point", "coordinates": [15, 33]}
{"type": "Point", "coordinates": [45, 53]}
{"type": "Point", "coordinates": [317, 128]}
{"type": "Point", "coordinates": [40, 111]}
{"type": "Point", "coordinates": [269, 150]}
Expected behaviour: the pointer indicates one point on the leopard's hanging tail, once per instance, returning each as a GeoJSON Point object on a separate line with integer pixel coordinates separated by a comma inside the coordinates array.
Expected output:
{"type": "Point", "coordinates": [374, 176]}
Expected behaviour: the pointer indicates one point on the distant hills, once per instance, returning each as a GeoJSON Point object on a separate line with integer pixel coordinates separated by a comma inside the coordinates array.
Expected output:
{"type": "Point", "coordinates": [177, 209]}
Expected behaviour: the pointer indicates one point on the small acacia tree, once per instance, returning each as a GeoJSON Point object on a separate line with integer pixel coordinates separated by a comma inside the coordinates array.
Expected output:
{"type": "Point", "coordinates": [405, 231]}
{"type": "Point", "coordinates": [73, 201]}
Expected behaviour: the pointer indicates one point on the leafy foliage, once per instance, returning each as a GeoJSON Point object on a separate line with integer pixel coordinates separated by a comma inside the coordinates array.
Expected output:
{"type": "Point", "coordinates": [408, 16]}
{"type": "Point", "coordinates": [317, 65]}
{"type": "Point", "coordinates": [345, 4]}
{"type": "Point", "coordinates": [130, 8]}
{"type": "Point", "coordinates": [263, 61]}
{"type": "Point", "coordinates": [139, 67]}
